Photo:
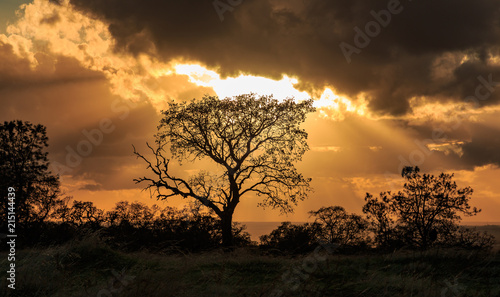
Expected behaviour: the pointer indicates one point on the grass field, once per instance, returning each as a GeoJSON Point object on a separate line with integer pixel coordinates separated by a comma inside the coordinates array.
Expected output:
{"type": "Point", "coordinates": [88, 268]}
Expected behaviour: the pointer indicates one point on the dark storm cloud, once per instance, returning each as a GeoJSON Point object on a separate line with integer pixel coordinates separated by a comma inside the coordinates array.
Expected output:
{"type": "Point", "coordinates": [483, 149]}
{"type": "Point", "coordinates": [271, 37]}
{"type": "Point", "coordinates": [475, 79]}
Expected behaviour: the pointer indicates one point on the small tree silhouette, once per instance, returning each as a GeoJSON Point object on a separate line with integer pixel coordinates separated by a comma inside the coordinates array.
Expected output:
{"type": "Point", "coordinates": [253, 141]}
{"type": "Point", "coordinates": [340, 227]}
{"type": "Point", "coordinates": [292, 238]}
{"type": "Point", "coordinates": [428, 207]}
{"type": "Point", "coordinates": [380, 219]}
{"type": "Point", "coordinates": [24, 166]}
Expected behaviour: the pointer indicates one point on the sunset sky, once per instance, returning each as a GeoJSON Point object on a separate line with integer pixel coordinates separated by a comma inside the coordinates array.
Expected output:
{"type": "Point", "coordinates": [395, 82]}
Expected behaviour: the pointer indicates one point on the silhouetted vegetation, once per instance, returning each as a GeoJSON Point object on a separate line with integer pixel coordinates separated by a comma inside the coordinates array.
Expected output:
{"type": "Point", "coordinates": [24, 166]}
{"type": "Point", "coordinates": [292, 238]}
{"type": "Point", "coordinates": [425, 213]}
{"type": "Point", "coordinates": [341, 228]}
{"type": "Point", "coordinates": [405, 219]}
{"type": "Point", "coordinates": [333, 225]}
{"type": "Point", "coordinates": [253, 142]}
{"type": "Point", "coordinates": [44, 217]}
{"type": "Point", "coordinates": [135, 226]}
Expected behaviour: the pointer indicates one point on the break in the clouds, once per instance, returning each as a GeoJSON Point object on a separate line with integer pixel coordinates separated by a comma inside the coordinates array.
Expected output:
{"type": "Point", "coordinates": [426, 48]}
{"type": "Point", "coordinates": [429, 58]}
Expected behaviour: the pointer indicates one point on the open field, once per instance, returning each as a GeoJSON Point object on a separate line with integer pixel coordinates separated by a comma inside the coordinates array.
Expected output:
{"type": "Point", "coordinates": [88, 268]}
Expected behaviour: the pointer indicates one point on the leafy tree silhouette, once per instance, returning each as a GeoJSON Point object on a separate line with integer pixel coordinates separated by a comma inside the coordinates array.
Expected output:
{"type": "Point", "coordinates": [253, 141]}
{"type": "Point", "coordinates": [80, 214]}
{"type": "Point", "coordinates": [381, 220]}
{"type": "Point", "coordinates": [340, 227]}
{"type": "Point", "coordinates": [293, 238]}
{"type": "Point", "coordinates": [427, 208]}
{"type": "Point", "coordinates": [24, 166]}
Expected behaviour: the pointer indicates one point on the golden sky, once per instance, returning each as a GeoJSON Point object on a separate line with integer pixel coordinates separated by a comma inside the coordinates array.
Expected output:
{"type": "Point", "coordinates": [407, 90]}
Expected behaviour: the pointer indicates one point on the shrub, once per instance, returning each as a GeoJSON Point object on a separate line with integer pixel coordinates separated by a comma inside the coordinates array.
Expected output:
{"type": "Point", "coordinates": [292, 238]}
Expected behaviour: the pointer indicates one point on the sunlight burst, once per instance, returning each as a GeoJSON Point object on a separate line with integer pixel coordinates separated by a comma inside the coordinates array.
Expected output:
{"type": "Point", "coordinates": [329, 104]}
{"type": "Point", "coordinates": [242, 84]}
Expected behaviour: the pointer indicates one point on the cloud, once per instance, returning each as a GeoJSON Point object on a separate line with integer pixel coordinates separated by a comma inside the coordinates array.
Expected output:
{"type": "Point", "coordinates": [72, 101]}
{"type": "Point", "coordinates": [59, 69]}
{"type": "Point", "coordinates": [54, 29]}
{"type": "Point", "coordinates": [271, 37]}
{"type": "Point", "coordinates": [483, 148]}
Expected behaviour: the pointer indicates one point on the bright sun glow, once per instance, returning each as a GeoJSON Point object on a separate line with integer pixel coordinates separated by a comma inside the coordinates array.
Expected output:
{"type": "Point", "coordinates": [335, 106]}
{"type": "Point", "coordinates": [242, 84]}
{"type": "Point", "coordinates": [330, 104]}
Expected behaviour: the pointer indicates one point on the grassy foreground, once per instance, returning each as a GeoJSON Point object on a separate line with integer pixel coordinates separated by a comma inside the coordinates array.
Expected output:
{"type": "Point", "coordinates": [88, 268]}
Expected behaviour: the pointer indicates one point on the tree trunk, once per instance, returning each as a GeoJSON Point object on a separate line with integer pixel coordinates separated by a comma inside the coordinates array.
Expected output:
{"type": "Point", "coordinates": [227, 230]}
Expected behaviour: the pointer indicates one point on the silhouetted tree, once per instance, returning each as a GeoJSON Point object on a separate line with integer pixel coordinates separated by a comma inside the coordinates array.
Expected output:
{"type": "Point", "coordinates": [340, 227]}
{"type": "Point", "coordinates": [253, 141]}
{"type": "Point", "coordinates": [136, 214]}
{"type": "Point", "coordinates": [381, 221]}
{"type": "Point", "coordinates": [80, 214]}
{"type": "Point", "coordinates": [24, 166]}
{"type": "Point", "coordinates": [428, 207]}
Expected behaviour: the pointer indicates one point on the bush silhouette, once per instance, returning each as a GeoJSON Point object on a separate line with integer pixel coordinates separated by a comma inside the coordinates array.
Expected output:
{"type": "Point", "coordinates": [292, 238]}
{"type": "Point", "coordinates": [341, 228]}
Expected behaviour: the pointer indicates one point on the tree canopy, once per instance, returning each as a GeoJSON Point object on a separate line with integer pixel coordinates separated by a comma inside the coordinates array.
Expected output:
{"type": "Point", "coordinates": [340, 227]}
{"type": "Point", "coordinates": [252, 141]}
{"type": "Point", "coordinates": [428, 207]}
{"type": "Point", "coordinates": [24, 166]}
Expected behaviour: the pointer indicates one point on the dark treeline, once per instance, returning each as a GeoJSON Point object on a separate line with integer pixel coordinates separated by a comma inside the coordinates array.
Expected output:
{"type": "Point", "coordinates": [351, 233]}
{"type": "Point", "coordinates": [130, 227]}
{"type": "Point", "coordinates": [425, 213]}
{"type": "Point", "coordinates": [136, 226]}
